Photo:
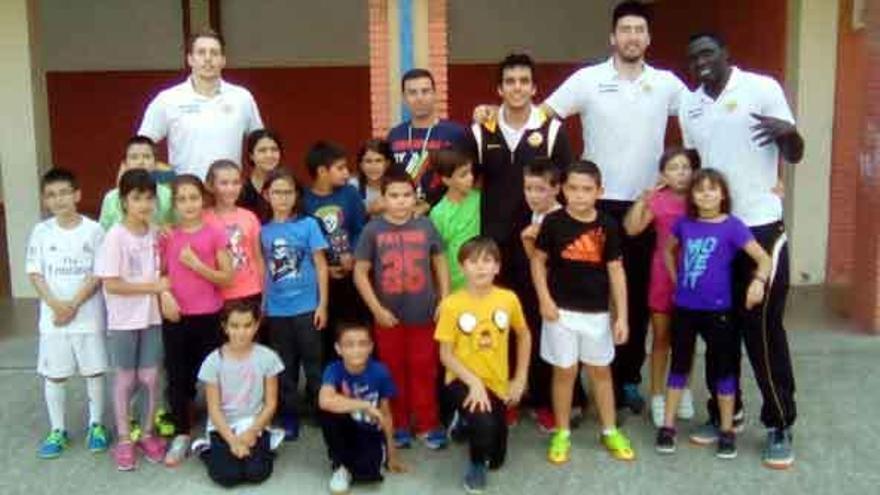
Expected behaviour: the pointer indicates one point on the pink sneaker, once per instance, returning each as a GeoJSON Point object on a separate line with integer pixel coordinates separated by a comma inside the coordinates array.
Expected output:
{"type": "Point", "coordinates": [153, 448]}
{"type": "Point", "coordinates": [125, 456]}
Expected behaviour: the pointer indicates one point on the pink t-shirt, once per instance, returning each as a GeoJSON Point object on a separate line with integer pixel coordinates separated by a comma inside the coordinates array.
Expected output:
{"type": "Point", "coordinates": [667, 208]}
{"type": "Point", "coordinates": [131, 258]}
{"type": "Point", "coordinates": [194, 294]}
{"type": "Point", "coordinates": [242, 232]}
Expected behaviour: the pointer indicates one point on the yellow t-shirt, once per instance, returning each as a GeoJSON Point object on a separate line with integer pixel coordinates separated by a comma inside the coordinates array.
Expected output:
{"type": "Point", "coordinates": [479, 330]}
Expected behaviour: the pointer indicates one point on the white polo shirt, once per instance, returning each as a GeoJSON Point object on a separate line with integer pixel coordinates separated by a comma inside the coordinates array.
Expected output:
{"type": "Point", "coordinates": [201, 129]}
{"type": "Point", "coordinates": [720, 131]}
{"type": "Point", "coordinates": [623, 122]}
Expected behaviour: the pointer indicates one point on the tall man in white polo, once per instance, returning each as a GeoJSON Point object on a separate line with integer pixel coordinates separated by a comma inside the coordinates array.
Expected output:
{"type": "Point", "coordinates": [740, 123]}
{"type": "Point", "coordinates": [204, 118]}
{"type": "Point", "coordinates": [624, 106]}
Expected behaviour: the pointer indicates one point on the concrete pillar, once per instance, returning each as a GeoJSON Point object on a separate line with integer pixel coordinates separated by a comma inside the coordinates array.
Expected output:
{"type": "Point", "coordinates": [404, 34]}
{"type": "Point", "coordinates": [24, 139]}
{"type": "Point", "coordinates": [814, 36]}
{"type": "Point", "coordinates": [867, 248]}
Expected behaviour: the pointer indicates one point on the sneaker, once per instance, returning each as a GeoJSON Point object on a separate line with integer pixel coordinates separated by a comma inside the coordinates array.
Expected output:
{"type": "Point", "coordinates": [435, 439]}
{"type": "Point", "coordinates": [726, 445]}
{"type": "Point", "coordinates": [125, 456]}
{"type": "Point", "coordinates": [545, 420]}
{"type": "Point", "coordinates": [560, 447]}
{"type": "Point", "coordinates": [618, 445]}
{"type": "Point", "coordinates": [290, 423]}
{"type": "Point", "coordinates": [658, 410]}
{"type": "Point", "coordinates": [153, 448]}
{"type": "Point", "coordinates": [54, 444]}
{"type": "Point", "coordinates": [511, 415]}
{"type": "Point", "coordinates": [340, 481]}
{"type": "Point", "coordinates": [178, 451]}
{"type": "Point", "coordinates": [686, 405]}
{"type": "Point", "coordinates": [97, 438]}
{"type": "Point", "coordinates": [778, 453]}
{"type": "Point", "coordinates": [665, 443]}
{"type": "Point", "coordinates": [705, 434]}
{"type": "Point", "coordinates": [402, 439]}
{"type": "Point", "coordinates": [475, 478]}
{"type": "Point", "coordinates": [164, 424]}
{"type": "Point", "coordinates": [631, 399]}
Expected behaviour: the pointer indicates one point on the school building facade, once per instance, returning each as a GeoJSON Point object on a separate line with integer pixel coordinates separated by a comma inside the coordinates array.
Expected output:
{"type": "Point", "coordinates": [78, 75]}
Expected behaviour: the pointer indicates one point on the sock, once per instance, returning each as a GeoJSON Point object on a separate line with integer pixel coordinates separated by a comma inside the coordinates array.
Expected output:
{"type": "Point", "coordinates": [95, 391]}
{"type": "Point", "coordinates": [149, 378]}
{"type": "Point", "coordinates": [55, 398]}
{"type": "Point", "coordinates": [122, 388]}
{"type": "Point", "coordinates": [564, 433]}
{"type": "Point", "coordinates": [608, 431]}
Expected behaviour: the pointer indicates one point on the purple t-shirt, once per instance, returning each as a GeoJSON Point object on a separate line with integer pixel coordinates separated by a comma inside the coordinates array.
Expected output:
{"type": "Point", "coordinates": [707, 250]}
{"type": "Point", "coordinates": [403, 277]}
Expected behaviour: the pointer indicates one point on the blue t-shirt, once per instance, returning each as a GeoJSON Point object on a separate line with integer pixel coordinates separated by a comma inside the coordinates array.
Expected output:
{"type": "Point", "coordinates": [342, 214]}
{"type": "Point", "coordinates": [372, 385]}
{"type": "Point", "coordinates": [705, 264]}
{"type": "Point", "coordinates": [408, 143]}
{"type": "Point", "coordinates": [291, 279]}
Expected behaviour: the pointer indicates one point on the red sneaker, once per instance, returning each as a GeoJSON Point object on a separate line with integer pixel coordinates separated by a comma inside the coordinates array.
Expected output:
{"type": "Point", "coordinates": [153, 448]}
{"type": "Point", "coordinates": [512, 416]}
{"type": "Point", "coordinates": [545, 420]}
{"type": "Point", "coordinates": [125, 456]}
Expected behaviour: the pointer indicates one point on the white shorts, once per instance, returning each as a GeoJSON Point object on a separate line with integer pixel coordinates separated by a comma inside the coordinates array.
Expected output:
{"type": "Point", "coordinates": [60, 355]}
{"type": "Point", "coordinates": [577, 337]}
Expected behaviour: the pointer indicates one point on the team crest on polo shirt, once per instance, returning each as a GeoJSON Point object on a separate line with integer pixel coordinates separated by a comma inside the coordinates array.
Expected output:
{"type": "Point", "coordinates": [535, 139]}
{"type": "Point", "coordinates": [646, 87]}
{"type": "Point", "coordinates": [730, 106]}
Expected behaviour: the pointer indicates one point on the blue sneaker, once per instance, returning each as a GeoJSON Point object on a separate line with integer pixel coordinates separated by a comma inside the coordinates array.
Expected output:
{"type": "Point", "coordinates": [97, 439]}
{"type": "Point", "coordinates": [778, 453]}
{"type": "Point", "coordinates": [631, 399]}
{"type": "Point", "coordinates": [402, 439]}
{"type": "Point", "coordinates": [475, 478]}
{"type": "Point", "coordinates": [53, 445]}
{"type": "Point", "coordinates": [290, 423]}
{"type": "Point", "coordinates": [435, 439]}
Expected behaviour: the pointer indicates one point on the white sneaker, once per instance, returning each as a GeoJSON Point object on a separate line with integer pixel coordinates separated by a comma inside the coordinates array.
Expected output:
{"type": "Point", "coordinates": [686, 405]}
{"type": "Point", "coordinates": [340, 481]}
{"type": "Point", "coordinates": [658, 410]}
{"type": "Point", "coordinates": [178, 450]}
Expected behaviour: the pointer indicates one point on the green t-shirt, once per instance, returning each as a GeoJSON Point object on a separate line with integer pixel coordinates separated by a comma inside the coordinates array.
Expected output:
{"type": "Point", "coordinates": [111, 208]}
{"type": "Point", "coordinates": [457, 223]}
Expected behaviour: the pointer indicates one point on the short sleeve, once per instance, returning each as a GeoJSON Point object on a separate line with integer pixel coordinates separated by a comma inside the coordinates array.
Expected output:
{"type": "Point", "coordinates": [676, 91]}
{"type": "Point", "coordinates": [271, 363]}
{"type": "Point", "coordinates": [446, 324]}
{"type": "Point", "coordinates": [97, 238]}
{"type": "Point", "coordinates": [108, 263]}
{"type": "Point", "coordinates": [155, 122]}
{"type": "Point", "coordinates": [544, 241]}
{"type": "Point", "coordinates": [332, 375]}
{"type": "Point", "coordinates": [358, 210]}
{"type": "Point", "coordinates": [774, 103]}
{"type": "Point", "coordinates": [366, 246]}
{"type": "Point", "coordinates": [109, 215]}
{"type": "Point", "coordinates": [517, 317]}
{"type": "Point", "coordinates": [34, 256]}
{"type": "Point", "coordinates": [561, 153]}
{"type": "Point", "coordinates": [255, 121]}
{"type": "Point", "coordinates": [613, 240]}
{"type": "Point", "coordinates": [686, 139]}
{"type": "Point", "coordinates": [570, 97]}
{"type": "Point", "coordinates": [386, 387]}
{"type": "Point", "coordinates": [209, 372]}
{"type": "Point", "coordinates": [317, 241]}
{"type": "Point", "coordinates": [740, 234]}
{"type": "Point", "coordinates": [435, 242]}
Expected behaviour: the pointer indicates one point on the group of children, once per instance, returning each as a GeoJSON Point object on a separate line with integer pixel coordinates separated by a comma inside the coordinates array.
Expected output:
{"type": "Point", "coordinates": [240, 282]}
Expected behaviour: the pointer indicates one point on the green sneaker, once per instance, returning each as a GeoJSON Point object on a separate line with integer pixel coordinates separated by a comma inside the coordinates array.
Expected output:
{"type": "Point", "coordinates": [135, 432]}
{"type": "Point", "coordinates": [618, 445]}
{"type": "Point", "coordinates": [164, 425]}
{"type": "Point", "coordinates": [53, 445]}
{"type": "Point", "coordinates": [560, 447]}
{"type": "Point", "coordinates": [97, 439]}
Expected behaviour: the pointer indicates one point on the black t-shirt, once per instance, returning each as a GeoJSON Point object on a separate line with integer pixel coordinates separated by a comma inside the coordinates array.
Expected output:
{"type": "Point", "coordinates": [577, 259]}
{"type": "Point", "coordinates": [251, 199]}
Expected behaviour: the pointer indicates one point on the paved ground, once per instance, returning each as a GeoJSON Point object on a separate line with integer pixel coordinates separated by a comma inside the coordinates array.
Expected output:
{"type": "Point", "coordinates": [836, 438]}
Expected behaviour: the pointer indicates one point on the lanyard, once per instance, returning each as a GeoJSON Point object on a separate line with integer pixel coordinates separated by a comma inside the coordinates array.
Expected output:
{"type": "Point", "coordinates": [424, 146]}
